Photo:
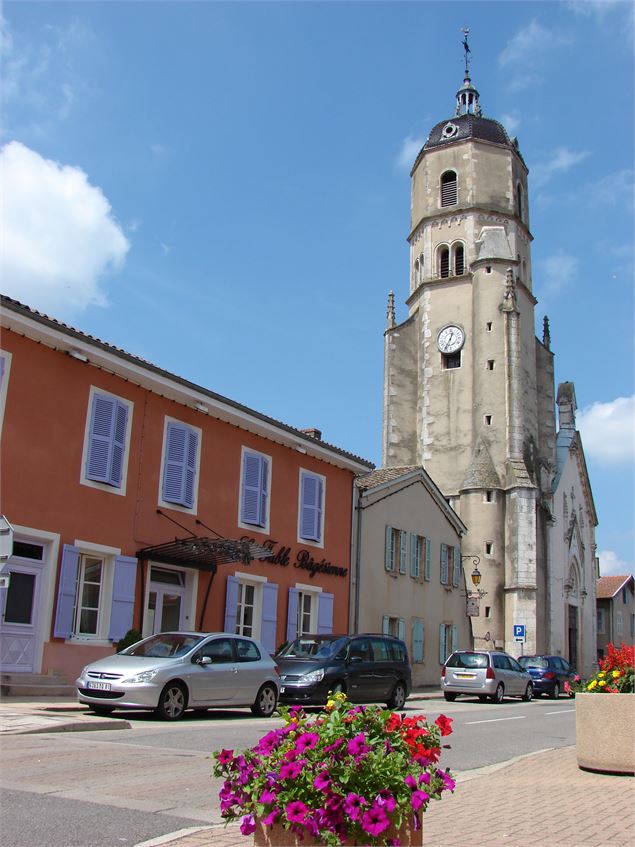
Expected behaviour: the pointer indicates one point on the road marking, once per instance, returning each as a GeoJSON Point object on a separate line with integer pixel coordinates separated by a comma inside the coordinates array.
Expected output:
{"type": "Point", "coordinates": [495, 720]}
{"type": "Point", "coordinates": [560, 712]}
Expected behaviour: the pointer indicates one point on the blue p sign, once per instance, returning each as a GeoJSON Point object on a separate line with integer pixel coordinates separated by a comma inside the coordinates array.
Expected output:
{"type": "Point", "coordinates": [519, 630]}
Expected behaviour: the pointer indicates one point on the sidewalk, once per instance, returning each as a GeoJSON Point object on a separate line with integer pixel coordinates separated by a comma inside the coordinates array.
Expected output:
{"type": "Point", "coordinates": [539, 799]}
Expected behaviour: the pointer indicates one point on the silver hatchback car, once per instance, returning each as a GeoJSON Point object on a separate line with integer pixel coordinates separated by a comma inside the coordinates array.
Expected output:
{"type": "Point", "coordinates": [485, 674]}
{"type": "Point", "coordinates": [173, 671]}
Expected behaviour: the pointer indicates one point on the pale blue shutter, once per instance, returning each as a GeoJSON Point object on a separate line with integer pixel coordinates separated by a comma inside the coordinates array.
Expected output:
{"type": "Point", "coordinates": [100, 438]}
{"type": "Point", "coordinates": [456, 572]}
{"type": "Point", "coordinates": [254, 490]}
{"type": "Point", "coordinates": [292, 614]}
{"type": "Point", "coordinates": [269, 616]}
{"type": "Point", "coordinates": [454, 638]}
{"type": "Point", "coordinates": [325, 613]}
{"type": "Point", "coordinates": [389, 553]}
{"type": "Point", "coordinates": [231, 604]}
{"type": "Point", "coordinates": [385, 625]}
{"type": "Point", "coordinates": [65, 612]}
{"type": "Point", "coordinates": [403, 550]}
{"type": "Point", "coordinates": [310, 507]}
{"type": "Point", "coordinates": [123, 592]}
{"type": "Point", "coordinates": [415, 553]}
{"type": "Point", "coordinates": [444, 564]}
{"type": "Point", "coordinates": [118, 444]}
{"type": "Point", "coordinates": [401, 629]}
{"type": "Point", "coordinates": [174, 463]}
{"type": "Point", "coordinates": [417, 640]}
{"type": "Point", "coordinates": [191, 451]}
{"type": "Point", "coordinates": [442, 646]}
{"type": "Point", "coordinates": [427, 568]}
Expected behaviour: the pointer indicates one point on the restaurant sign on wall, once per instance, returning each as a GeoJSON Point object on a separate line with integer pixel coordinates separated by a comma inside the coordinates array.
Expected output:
{"type": "Point", "coordinates": [282, 555]}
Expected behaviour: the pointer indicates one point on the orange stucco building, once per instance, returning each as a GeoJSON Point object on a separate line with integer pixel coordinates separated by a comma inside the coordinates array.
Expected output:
{"type": "Point", "coordinates": [139, 499]}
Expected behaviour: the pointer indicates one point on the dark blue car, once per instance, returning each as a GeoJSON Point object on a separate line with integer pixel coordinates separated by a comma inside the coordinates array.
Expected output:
{"type": "Point", "coordinates": [548, 674]}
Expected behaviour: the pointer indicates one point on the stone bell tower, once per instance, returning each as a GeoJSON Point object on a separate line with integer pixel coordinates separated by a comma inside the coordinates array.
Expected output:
{"type": "Point", "coordinates": [468, 388]}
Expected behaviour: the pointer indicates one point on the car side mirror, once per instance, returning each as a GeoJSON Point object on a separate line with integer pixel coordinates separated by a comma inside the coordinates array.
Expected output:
{"type": "Point", "coordinates": [355, 660]}
{"type": "Point", "coordinates": [204, 660]}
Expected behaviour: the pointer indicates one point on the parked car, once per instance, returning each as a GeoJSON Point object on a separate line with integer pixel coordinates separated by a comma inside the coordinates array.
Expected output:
{"type": "Point", "coordinates": [550, 675]}
{"type": "Point", "coordinates": [173, 671]}
{"type": "Point", "coordinates": [366, 667]}
{"type": "Point", "coordinates": [485, 674]}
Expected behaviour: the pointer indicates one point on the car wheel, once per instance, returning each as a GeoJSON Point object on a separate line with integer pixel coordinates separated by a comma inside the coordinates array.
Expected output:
{"type": "Point", "coordinates": [449, 697]}
{"type": "Point", "coordinates": [172, 702]}
{"type": "Point", "coordinates": [499, 693]}
{"type": "Point", "coordinates": [528, 696]}
{"type": "Point", "coordinates": [398, 697]}
{"type": "Point", "coordinates": [265, 701]}
{"type": "Point", "coordinates": [104, 711]}
{"type": "Point", "coordinates": [556, 692]}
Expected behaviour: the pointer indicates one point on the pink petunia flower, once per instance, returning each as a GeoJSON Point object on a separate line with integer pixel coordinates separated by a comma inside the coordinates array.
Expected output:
{"type": "Point", "coordinates": [267, 797]}
{"type": "Point", "coordinates": [375, 820]}
{"type": "Point", "coordinates": [270, 819]}
{"type": "Point", "coordinates": [386, 800]}
{"type": "Point", "coordinates": [418, 799]}
{"type": "Point", "coordinates": [306, 741]}
{"type": "Point", "coordinates": [290, 770]}
{"type": "Point", "coordinates": [225, 756]}
{"type": "Point", "coordinates": [322, 781]}
{"type": "Point", "coordinates": [357, 746]}
{"type": "Point", "coordinates": [248, 825]}
{"type": "Point", "coordinates": [296, 811]}
{"type": "Point", "coordinates": [353, 806]}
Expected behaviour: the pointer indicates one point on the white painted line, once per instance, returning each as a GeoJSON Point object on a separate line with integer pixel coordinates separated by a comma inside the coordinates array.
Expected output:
{"type": "Point", "coordinates": [560, 712]}
{"type": "Point", "coordinates": [495, 720]}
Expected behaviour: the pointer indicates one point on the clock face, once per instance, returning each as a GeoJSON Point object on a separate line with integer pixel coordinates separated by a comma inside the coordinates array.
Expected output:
{"type": "Point", "coordinates": [450, 339]}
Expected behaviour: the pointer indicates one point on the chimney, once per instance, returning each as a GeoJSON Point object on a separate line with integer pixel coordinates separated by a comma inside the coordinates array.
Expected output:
{"type": "Point", "coordinates": [312, 432]}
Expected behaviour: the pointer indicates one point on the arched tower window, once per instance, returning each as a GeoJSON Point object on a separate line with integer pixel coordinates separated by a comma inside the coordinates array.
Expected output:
{"type": "Point", "coordinates": [519, 201]}
{"type": "Point", "coordinates": [449, 188]}
{"type": "Point", "coordinates": [417, 273]}
{"type": "Point", "coordinates": [458, 256]}
{"type": "Point", "coordinates": [443, 259]}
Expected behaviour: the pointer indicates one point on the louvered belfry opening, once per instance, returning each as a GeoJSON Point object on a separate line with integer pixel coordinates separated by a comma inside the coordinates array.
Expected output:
{"type": "Point", "coordinates": [444, 261]}
{"type": "Point", "coordinates": [448, 188]}
{"type": "Point", "coordinates": [459, 260]}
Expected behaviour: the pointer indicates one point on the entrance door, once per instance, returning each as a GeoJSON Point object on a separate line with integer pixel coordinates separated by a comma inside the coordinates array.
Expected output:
{"type": "Point", "coordinates": [19, 607]}
{"type": "Point", "coordinates": [166, 601]}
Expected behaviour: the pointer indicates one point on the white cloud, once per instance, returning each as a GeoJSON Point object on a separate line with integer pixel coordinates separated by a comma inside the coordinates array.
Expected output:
{"type": "Point", "coordinates": [594, 8]}
{"type": "Point", "coordinates": [510, 122]}
{"type": "Point", "coordinates": [555, 272]}
{"type": "Point", "coordinates": [530, 44]}
{"type": "Point", "coordinates": [409, 151]}
{"type": "Point", "coordinates": [59, 235]}
{"type": "Point", "coordinates": [612, 190]}
{"type": "Point", "coordinates": [608, 431]}
{"type": "Point", "coordinates": [612, 565]}
{"type": "Point", "coordinates": [559, 161]}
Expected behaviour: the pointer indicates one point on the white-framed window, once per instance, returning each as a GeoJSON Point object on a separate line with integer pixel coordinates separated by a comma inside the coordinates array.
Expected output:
{"type": "Point", "coordinates": [255, 490]}
{"type": "Point", "coordinates": [417, 555]}
{"type": "Point", "coordinates": [246, 609]}
{"type": "Point", "coordinates": [106, 441]}
{"type": "Point", "coordinates": [311, 500]}
{"type": "Point", "coordinates": [601, 622]}
{"type": "Point", "coordinates": [396, 550]}
{"type": "Point", "coordinates": [394, 626]}
{"type": "Point", "coordinates": [180, 464]}
{"type": "Point", "coordinates": [90, 585]}
{"type": "Point", "coordinates": [5, 368]}
{"type": "Point", "coordinates": [251, 608]}
{"type": "Point", "coordinates": [307, 609]}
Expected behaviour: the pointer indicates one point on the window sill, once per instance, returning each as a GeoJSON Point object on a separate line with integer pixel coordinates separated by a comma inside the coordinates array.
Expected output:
{"type": "Point", "coordinates": [87, 640]}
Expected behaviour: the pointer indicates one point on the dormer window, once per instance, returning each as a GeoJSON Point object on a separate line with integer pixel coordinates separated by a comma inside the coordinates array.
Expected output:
{"type": "Point", "coordinates": [449, 188]}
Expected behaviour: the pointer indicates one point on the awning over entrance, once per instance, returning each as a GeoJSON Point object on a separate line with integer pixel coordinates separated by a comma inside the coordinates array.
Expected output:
{"type": "Point", "coordinates": [204, 553]}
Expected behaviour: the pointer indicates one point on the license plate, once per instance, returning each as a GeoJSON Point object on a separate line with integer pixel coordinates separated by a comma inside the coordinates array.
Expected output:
{"type": "Point", "coordinates": [99, 686]}
{"type": "Point", "coordinates": [464, 675]}
{"type": "Point", "coordinates": [282, 689]}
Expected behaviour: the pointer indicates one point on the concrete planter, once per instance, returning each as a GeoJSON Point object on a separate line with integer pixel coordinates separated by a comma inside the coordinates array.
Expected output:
{"type": "Point", "coordinates": [605, 732]}
{"type": "Point", "coordinates": [278, 836]}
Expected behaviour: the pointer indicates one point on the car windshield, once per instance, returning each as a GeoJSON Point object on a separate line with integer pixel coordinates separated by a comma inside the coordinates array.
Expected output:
{"type": "Point", "coordinates": [533, 662]}
{"type": "Point", "coordinates": [468, 660]}
{"type": "Point", "coordinates": [311, 647]}
{"type": "Point", "coordinates": [166, 645]}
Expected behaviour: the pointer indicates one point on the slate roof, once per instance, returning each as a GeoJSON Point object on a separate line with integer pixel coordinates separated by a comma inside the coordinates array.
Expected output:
{"type": "Point", "coordinates": [608, 586]}
{"type": "Point", "coordinates": [469, 126]}
{"type": "Point", "coordinates": [7, 303]}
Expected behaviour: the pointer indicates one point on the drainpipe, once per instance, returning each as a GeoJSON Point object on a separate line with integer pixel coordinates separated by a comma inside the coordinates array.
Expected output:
{"type": "Point", "coordinates": [358, 556]}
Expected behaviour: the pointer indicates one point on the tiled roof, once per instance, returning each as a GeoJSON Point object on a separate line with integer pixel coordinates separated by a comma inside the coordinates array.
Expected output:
{"type": "Point", "coordinates": [608, 586]}
{"type": "Point", "coordinates": [376, 477]}
{"type": "Point", "coordinates": [7, 303]}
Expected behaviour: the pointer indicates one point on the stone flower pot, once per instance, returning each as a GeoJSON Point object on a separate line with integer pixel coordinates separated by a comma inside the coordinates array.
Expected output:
{"type": "Point", "coordinates": [605, 732]}
{"type": "Point", "coordinates": [278, 836]}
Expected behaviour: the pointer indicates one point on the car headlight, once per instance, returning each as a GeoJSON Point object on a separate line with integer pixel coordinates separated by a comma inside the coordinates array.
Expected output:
{"type": "Point", "coordinates": [144, 676]}
{"type": "Point", "coordinates": [83, 673]}
{"type": "Point", "coordinates": [310, 678]}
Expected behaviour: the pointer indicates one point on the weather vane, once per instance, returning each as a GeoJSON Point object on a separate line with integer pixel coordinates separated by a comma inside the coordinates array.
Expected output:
{"type": "Point", "coordinates": [466, 47]}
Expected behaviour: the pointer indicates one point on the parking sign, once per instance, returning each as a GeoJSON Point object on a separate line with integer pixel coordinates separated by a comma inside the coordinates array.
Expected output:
{"type": "Point", "coordinates": [519, 632]}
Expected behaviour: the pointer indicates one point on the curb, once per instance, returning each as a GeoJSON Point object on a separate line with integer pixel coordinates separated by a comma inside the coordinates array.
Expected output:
{"type": "Point", "coordinates": [172, 836]}
{"type": "Point", "coordinates": [76, 726]}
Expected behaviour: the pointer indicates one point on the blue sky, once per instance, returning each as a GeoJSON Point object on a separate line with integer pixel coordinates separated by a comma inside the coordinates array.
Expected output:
{"type": "Point", "coordinates": [223, 189]}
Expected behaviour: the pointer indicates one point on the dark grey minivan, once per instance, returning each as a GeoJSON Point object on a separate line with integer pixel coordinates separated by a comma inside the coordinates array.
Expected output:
{"type": "Point", "coordinates": [366, 667]}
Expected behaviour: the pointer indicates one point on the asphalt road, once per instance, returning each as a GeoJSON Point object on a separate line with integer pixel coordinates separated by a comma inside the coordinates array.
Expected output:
{"type": "Point", "coordinates": [104, 789]}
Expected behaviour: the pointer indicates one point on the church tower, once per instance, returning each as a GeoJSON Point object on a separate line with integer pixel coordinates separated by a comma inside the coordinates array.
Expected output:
{"type": "Point", "coordinates": [469, 390]}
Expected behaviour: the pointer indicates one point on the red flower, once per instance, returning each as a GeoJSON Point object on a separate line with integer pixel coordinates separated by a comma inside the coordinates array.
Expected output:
{"type": "Point", "coordinates": [444, 724]}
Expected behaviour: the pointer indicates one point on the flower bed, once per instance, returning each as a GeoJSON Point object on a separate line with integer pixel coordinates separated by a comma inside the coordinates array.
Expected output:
{"type": "Point", "coordinates": [356, 774]}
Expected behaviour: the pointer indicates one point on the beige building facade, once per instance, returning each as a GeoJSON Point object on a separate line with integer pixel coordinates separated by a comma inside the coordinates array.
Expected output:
{"type": "Point", "coordinates": [615, 612]}
{"type": "Point", "coordinates": [468, 388]}
{"type": "Point", "coordinates": [407, 579]}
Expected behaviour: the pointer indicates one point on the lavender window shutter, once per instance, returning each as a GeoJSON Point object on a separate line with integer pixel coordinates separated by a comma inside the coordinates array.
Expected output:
{"type": "Point", "coordinates": [123, 592]}
{"type": "Point", "coordinates": [174, 463]}
{"type": "Point", "coordinates": [118, 444]}
{"type": "Point", "coordinates": [190, 468]}
{"type": "Point", "coordinates": [269, 616]}
{"type": "Point", "coordinates": [250, 489]}
{"type": "Point", "coordinates": [231, 604]}
{"type": "Point", "coordinates": [325, 613]}
{"type": "Point", "coordinates": [264, 491]}
{"type": "Point", "coordinates": [320, 499]}
{"type": "Point", "coordinates": [65, 611]}
{"type": "Point", "coordinates": [311, 506]}
{"type": "Point", "coordinates": [292, 614]}
{"type": "Point", "coordinates": [100, 439]}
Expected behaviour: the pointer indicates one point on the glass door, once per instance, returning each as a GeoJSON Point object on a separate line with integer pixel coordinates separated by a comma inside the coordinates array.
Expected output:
{"type": "Point", "coordinates": [166, 599]}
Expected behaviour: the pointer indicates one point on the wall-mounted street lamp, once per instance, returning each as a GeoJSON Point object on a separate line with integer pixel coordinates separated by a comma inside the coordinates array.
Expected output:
{"type": "Point", "coordinates": [476, 581]}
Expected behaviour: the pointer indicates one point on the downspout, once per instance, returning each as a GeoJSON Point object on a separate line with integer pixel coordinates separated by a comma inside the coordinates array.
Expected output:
{"type": "Point", "coordinates": [358, 556]}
